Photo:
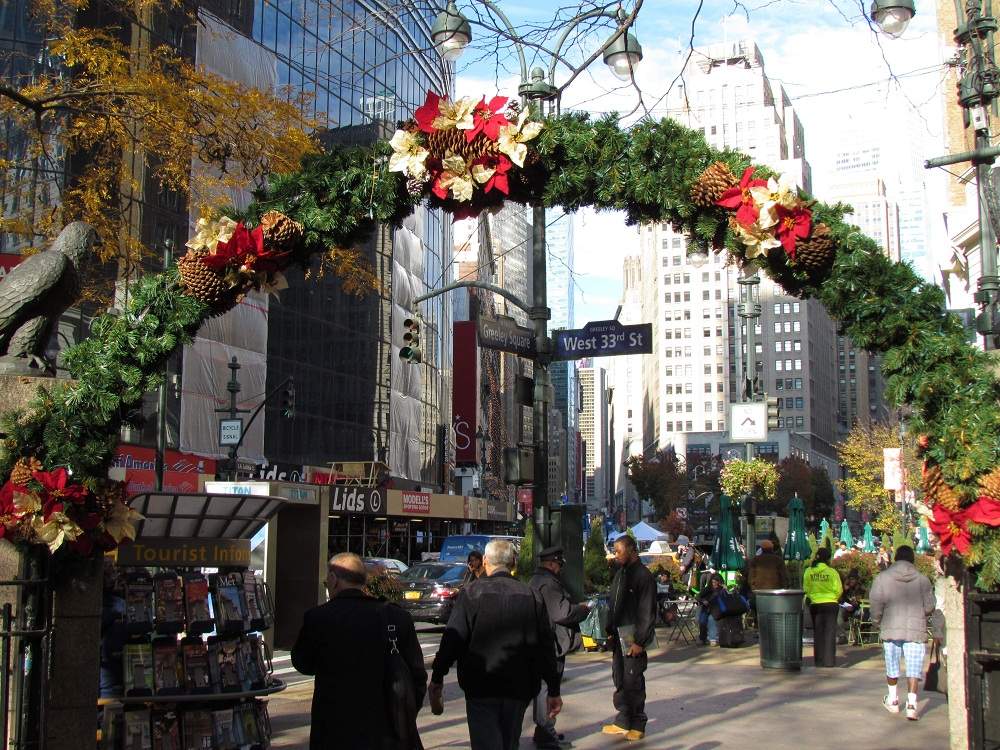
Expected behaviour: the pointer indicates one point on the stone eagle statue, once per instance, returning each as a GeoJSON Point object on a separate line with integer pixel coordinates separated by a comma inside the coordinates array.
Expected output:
{"type": "Point", "coordinates": [34, 294]}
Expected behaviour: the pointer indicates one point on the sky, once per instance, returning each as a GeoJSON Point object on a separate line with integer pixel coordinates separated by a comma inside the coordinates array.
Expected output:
{"type": "Point", "coordinates": [841, 76]}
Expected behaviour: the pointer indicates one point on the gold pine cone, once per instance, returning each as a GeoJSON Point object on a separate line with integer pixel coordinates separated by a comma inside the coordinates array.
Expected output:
{"type": "Point", "coordinates": [712, 183]}
{"type": "Point", "coordinates": [201, 282]}
{"type": "Point", "coordinates": [440, 142]}
{"type": "Point", "coordinates": [948, 498]}
{"type": "Point", "coordinates": [816, 252]}
{"type": "Point", "coordinates": [22, 470]}
{"type": "Point", "coordinates": [990, 484]}
{"type": "Point", "coordinates": [280, 232]}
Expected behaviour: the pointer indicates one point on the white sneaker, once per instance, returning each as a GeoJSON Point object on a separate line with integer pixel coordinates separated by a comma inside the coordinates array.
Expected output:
{"type": "Point", "coordinates": [890, 706]}
{"type": "Point", "coordinates": [911, 711]}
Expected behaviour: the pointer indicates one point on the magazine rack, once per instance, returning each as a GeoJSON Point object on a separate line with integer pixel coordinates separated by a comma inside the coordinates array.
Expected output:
{"type": "Point", "coordinates": [183, 661]}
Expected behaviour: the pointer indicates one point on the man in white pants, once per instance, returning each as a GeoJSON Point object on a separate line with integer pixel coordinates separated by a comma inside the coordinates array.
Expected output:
{"type": "Point", "coordinates": [901, 600]}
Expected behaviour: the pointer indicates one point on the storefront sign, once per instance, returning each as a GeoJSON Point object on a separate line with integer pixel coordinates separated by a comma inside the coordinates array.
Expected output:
{"type": "Point", "coordinates": [196, 553]}
{"type": "Point", "coordinates": [368, 500]}
{"type": "Point", "coordinates": [257, 489]}
{"type": "Point", "coordinates": [181, 471]}
{"type": "Point", "coordinates": [416, 502]}
{"type": "Point", "coordinates": [281, 472]}
{"type": "Point", "coordinates": [465, 394]}
{"type": "Point", "coordinates": [497, 510]}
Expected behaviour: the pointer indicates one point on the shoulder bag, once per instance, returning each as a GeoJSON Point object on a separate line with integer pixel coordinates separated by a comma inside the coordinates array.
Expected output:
{"type": "Point", "coordinates": [398, 693]}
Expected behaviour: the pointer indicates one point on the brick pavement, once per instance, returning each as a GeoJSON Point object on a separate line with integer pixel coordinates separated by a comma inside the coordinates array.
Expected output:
{"type": "Point", "coordinates": [699, 699]}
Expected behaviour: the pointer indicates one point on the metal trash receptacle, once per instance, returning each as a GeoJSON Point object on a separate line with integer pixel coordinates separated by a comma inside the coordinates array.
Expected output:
{"type": "Point", "coordinates": [779, 622]}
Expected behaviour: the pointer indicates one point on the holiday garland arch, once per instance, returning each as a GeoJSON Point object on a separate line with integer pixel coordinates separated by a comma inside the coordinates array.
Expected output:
{"type": "Point", "coordinates": [468, 156]}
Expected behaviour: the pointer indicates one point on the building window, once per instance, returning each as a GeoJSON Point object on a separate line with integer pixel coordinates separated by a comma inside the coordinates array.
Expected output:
{"type": "Point", "coordinates": [777, 365]}
{"type": "Point", "coordinates": [708, 407]}
{"type": "Point", "coordinates": [687, 278]}
{"type": "Point", "coordinates": [666, 261]}
{"type": "Point", "coordinates": [721, 407]}
{"type": "Point", "coordinates": [719, 387]}
{"type": "Point", "coordinates": [670, 371]}
{"type": "Point", "coordinates": [670, 426]}
{"type": "Point", "coordinates": [677, 260]}
{"type": "Point", "coordinates": [798, 384]}
{"type": "Point", "coordinates": [708, 387]}
{"type": "Point", "coordinates": [777, 346]}
{"type": "Point", "coordinates": [779, 384]}
{"type": "Point", "coordinates": [677, 278]}
{"type": "Point", "coordinates": [670, 390]}
{"type": "Point", "coordinates": [708, 371]}
{"type": "Point", "coordinates": [687, 296]}
{"type": "Point", "coordinates": [706, 295]}
{"type": "Point", "coordinates": [666, 280]}
{"type": "Point", "coordinates": [670, 408]}
{"type": "Point", "coordinates": [798, 345]}
{"type": "Point", "coordinates": [708, 425]}
{"type": "Point", "coordinates": [800, 422]}
{"type": "Point", "coordinates": [797, 326]}
{"type": "Point", "coordinates": [795, 307]}
{"type": "Point", "coordinates": [777, 308]}
{"type": "Point", "coordinates": [777, 326]}
{"type": "Point", "coordinates": [689, 426]}
{"type": "Point", "coordinates": [676, 242]}
{"type": "Point", "coordinates": [799, 402]}
{"type": "Point", "coordinates": [688, 387]}
{"type": "Point", "coordinates": [722, 426]}
{"type": "Point", "coordinates": [787, 308]}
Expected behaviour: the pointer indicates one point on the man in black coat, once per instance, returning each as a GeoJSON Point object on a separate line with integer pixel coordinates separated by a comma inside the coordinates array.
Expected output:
{"type": "Point", "coordinates": [632, 614]}
{"type": "Point", "coordinates": [500, 635]}
{"type": "Point", "coordinates": [344, 643]}
{"type": "Point", "coordinates": [566, 618]}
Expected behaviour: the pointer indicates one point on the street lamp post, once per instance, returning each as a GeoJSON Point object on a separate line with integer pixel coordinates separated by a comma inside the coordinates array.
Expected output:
{"type": "Point", "coordinates": [978, 90]}
{"type": "Point", "coordinates": [451, 33]}
{"type": "Point", "coordinates": [749, 310]}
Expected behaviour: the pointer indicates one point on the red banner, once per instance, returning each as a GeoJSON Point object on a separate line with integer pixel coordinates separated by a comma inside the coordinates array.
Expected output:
{"type": "Point", "coordinates": [416, 502]}
{"type": "Point", "coordinates": [180, 470]}
{"type": "Point", "coordinates": [526, 500]}
{"type": "Point", "coordinates": [465, 393]}
{"type": "Point", "coordinates": [7, 262]}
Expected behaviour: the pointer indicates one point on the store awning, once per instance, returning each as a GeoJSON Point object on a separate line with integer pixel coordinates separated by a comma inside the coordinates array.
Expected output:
{"type": "Point", "coordinates": [203, 516]}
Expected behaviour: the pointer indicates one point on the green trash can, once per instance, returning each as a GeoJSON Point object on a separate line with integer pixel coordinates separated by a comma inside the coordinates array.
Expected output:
{"type": "Point", "coordinates": [779, 621]}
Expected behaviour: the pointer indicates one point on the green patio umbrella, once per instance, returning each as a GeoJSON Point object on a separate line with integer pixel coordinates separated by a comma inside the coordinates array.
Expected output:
{"type": "Point", "coordinates": [726, 553]}
{"type": "Point", "coordinates": [796, 544]}
{"type": "Point", "coordinates": [845, 534]}
{"type": "Point", "coordinates": [869, 539]}
{"type": "Point", "coordinates": [923, 542]}
{"type": "Point", "coordinates": [824, 526]}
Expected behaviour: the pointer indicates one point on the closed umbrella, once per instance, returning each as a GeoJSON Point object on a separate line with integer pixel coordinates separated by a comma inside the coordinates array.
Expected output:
{"type": "Point", "coordinates": [923, 542]}
{"type": "Point", "coordinates": [845, 534]}
{"type": "Point", "coordinates": [796, 543]}
{"type": "Point", "coordinates": [869, 539]}
{"type": "Point", "coordinates": [726, 553]}
{"type": "Point", "coordinates": [824, 526]}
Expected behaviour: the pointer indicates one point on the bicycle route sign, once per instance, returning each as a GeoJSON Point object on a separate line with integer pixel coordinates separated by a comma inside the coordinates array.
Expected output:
{"type": "Point", "coordinates": [603, 338]}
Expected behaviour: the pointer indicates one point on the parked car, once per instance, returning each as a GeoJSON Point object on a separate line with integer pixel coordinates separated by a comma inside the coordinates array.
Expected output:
{"type": "Point", "coordinates": [392, 566]}
{"type": "Point", "coordinates": [429, 590]}
{"type": "Point", "coordinates": [456, 548]}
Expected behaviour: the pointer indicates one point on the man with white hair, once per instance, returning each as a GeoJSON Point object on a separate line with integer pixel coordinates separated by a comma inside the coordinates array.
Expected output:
{"type": "Point", "coordinates": [500, 635]}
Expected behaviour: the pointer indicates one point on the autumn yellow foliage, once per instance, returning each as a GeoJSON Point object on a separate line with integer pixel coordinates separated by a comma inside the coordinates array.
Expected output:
{"type": "Point", "coordinates": [861, 454]}
{"type": "Point", "coordinates": [127, 115]}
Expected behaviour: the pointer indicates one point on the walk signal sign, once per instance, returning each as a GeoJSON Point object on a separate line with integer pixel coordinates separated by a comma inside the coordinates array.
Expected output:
{"type": "Point", "coordinates": [410, 351]}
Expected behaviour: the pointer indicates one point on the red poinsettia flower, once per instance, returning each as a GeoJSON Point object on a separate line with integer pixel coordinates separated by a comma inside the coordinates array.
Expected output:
{"type": "Point", "coordinates": [793, 224]}
{"type": "Point", "coordinates": [243, 243]}
{"type": "Point", "coordinates": [428, 113]}
{"type": "Point", "coordinates": [7, 499]}
{"type": "Point", "coordinates": [51, 506]}
{"type": "Point", "coordinates": [488, 119]}
{"type": "Point", "coordinates": [500, 165]}
{"type": "Point", "coordinates": [739, 198]}
{"type": "Point", "coordinates": [57, 485]}
{"type": "Point", "coordinates": [950, 530]}
{"type": "Point", "coordinates": [985, 511]}
{"type": "Point", "coordinates": [83, 545]}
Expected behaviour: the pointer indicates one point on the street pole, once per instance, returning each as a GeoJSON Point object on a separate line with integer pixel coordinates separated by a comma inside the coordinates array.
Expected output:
{"type": "Point", "coordinates": [539, 316]}
{"type": "Point", "coordinates": [161, 393]}
{"type": "Point", "coordinates": [233, 386]}
{"type": "Point", "coordinates": [749, 311]}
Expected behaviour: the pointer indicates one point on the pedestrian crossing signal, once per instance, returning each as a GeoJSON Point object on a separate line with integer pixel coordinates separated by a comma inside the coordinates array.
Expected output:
{"type": "Point", "coordinates": [410, 351]}
{"type": "Point", "coordinates": [773, 412]}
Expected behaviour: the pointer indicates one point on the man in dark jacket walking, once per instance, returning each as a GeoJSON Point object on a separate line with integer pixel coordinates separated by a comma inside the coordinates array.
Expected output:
{"type": "Point", "coordinates": [501, 637]}
{"type": "Point", "coordinates": [631, 616]}
{"type": "Point", "coordinates": [566, 618]}
{"type": "Point", "coordinates": [901, 600]}
{"type": "Point", "coordinates": [344, 642]}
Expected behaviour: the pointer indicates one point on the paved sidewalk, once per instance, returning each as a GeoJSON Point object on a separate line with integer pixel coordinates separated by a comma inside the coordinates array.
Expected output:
{"type": "Point", "coordinates": [699, 699]}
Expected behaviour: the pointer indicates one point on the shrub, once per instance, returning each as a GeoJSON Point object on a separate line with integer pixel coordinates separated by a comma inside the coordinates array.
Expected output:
{"type": "Point", "coordinates": [864, 563]}
{"type": "Point", "coordinates": [666, 564]}
{"type": "Point", "coordinates": [596, 570]}
{"type": "Point", "coordinates": [383, 585]}
{"type": "Point", "coordinates": [526, 555]}
{"type": "Point", "coordinates": [927, 564]}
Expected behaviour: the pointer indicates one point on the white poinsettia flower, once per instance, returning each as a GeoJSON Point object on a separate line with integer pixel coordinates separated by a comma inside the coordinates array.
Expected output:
{"type": "Point", "coordinates": [481, 173]}
{"type": "Point", "coordinates": [513, 137]}
{"type": "Point", "coordinates": [56, 530]}
{"type": "Point", "coordinates": [456, 177]}
{"type": "Point", "coordinates": [461, 188]}
{"type": "Point", "coordinates": [408, 154]}
{"type": "Point", "coordinates": [780, 192]}
{"type": "Point", "coordinates": [275, 283]}
{"type": "Point", "coordinates": [455, 114]}
{"type": "Point", "coordinates": [756, 238]}
{"type": "Point", "coordinates": [210, 232]}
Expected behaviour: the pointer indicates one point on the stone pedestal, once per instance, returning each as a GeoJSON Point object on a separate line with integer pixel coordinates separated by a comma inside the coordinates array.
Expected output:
{"type": "Point", "coordinates": [954, 616]}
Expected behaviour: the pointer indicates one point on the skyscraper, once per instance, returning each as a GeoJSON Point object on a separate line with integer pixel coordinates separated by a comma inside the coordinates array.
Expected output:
{"type": "Point", "coordinates": [699, 342]}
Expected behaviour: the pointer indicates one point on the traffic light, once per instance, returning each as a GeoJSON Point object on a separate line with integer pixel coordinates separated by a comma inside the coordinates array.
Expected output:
{"type": "Point", "coordinates": [288, 400]}
{"type": "Point", "coordinates": [410, 351]}
{"type": "Point", "coordinates": [773, 412]}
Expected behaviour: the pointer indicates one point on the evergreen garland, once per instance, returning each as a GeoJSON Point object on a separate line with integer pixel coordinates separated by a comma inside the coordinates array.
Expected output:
{"type": "Point", "coordinates": [647, 172]}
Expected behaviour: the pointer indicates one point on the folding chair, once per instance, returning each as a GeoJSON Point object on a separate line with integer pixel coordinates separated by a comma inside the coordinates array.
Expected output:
{"type": "Point", "coordinates": [685, 629]}
{"type": "Point", "coordinates": [862, 632]}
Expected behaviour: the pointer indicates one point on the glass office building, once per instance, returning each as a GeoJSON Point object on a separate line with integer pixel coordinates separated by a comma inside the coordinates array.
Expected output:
{"type": "Point", "coordinates": [366, 66]}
